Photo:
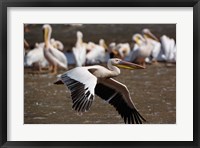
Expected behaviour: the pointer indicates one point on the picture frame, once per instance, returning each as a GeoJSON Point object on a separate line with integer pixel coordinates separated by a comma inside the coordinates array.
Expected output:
{"type": "Point", "coordinates": [100, 3]}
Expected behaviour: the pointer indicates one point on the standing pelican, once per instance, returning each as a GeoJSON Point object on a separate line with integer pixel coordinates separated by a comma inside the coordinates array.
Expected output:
{"type": "Point", "coordinates": [57, 44]}
{"type": "Point", "coordinates": [169, 48]}
{"type": "Point", "coordinates": [85, 82]}
{"type": "Point", "coordinates": [120, 50]}
{"type": "Point", "coordinates": [164, 50]}
{"type": "Point", "coordinates": [54, 56]}
{"type": "Point", "coordinates": [79, 50]}
{"type": "Point", "coordinates": [157, 50]}
{"type": "Point", "coordinates": [36, 55]}
{"type": "Point", "coordinates": [143, 51]}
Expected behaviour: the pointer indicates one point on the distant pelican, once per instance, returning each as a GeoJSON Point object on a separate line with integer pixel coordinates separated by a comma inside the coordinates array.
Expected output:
{"type": "Point", "coordinates": [157, 50]}
{"type": "Point", "coordinates": [79, 50]}
{"type": "Point", "coordinates": [36, 55]}
{"type": "Point", "coordinates": [54, 56]}
{"type": "Point", "coordinates": [143, 50]}
{"type": "Point", "coordinates": [55, 43]}
{"type": "Point", "coordinates": [120, 50]}
{"type": "Point", "coordinates": [97, 53]}
{"type": "Point", "coordinates": [84, 82]}
{"type": "Point", "coordinates": [164, 50]}
{"type": "Point", "coordinates": [169, 48]}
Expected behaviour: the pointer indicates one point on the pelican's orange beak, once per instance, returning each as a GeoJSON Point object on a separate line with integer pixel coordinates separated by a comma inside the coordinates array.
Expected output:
{"type": "Point", "coordinates": [128, 65]}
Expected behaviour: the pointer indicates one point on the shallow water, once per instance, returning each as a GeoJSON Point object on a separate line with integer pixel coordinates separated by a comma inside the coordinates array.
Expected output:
{"type": "Point", "coordinates": [153, 90]}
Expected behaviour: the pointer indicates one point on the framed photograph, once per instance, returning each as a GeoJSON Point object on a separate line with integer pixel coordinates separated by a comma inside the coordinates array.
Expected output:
{"type": "Point", "coordinates": [104, 73]}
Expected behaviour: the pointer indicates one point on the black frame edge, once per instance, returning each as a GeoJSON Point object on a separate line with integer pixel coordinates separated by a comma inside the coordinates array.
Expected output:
{"type": "Point", "coordinates": [195, 71]}
{"type": "Point", "coordinates": [196, 62]}
{"type": "Point", "coordinates": [101, 3]}
{"type": "Point", "coordinates": [3, 74]}
{"type": "Point", "coordinates": [1, 96]}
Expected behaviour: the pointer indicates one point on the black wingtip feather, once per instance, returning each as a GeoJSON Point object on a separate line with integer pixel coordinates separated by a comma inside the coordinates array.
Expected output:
{"type": "Point", "coordinates": [59, 82]}
{"type": "Point", "coordinates": [130, 115]}
{"type": "Point", "coordinates": [81, 97]}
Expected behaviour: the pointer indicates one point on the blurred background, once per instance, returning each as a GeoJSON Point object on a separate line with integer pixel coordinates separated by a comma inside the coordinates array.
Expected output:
{"type": "Point", "coordinates": [153, 89]}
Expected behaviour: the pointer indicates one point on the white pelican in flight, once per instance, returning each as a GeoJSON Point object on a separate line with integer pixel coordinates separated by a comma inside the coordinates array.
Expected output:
{"type": "Point", "coordinates": [53, 56]}
{"type": "Point", "coordinates": [79, 50]}
{"type": "Point", "coordinates": [85, 82]}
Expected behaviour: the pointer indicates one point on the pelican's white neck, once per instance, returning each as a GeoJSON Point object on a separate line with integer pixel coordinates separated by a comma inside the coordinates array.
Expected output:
{"type": "Point", "coordinates": [115, 71]}
{"type": "Point", "coordinates": [47, 35]}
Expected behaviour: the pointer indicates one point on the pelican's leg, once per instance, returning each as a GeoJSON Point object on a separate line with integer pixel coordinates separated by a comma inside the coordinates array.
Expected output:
{"type": "Point", "coordinates": [54, 70]}
{"type": "Point", "coordinates": [50, 67]}
{"type": "Point", "coordinates": [144, 64]}
{"type": "Point", "coordinates": [40, 69]}
{"type": "Point", "coordinates": [154, 61]}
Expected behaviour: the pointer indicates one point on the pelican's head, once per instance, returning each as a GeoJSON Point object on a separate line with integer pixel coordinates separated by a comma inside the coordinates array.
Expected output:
{"type": "Point", "coordinates": [112, 45]}
{"type": "Point", "coordinates": [37, 45]}
{"type": "Point", "coordinates": [124, 64]}
{"type": "Point", "coordinates": [47, 31]}
{"type": "Point", "coordinates": [103, 44]}
{"type": "Point", "coordinates": [79, 34]}
{"type": "Point", "coordinates": [138, 38]}
{"type": "Point", "coordinates": [52, 40]}
{"type": "Point", "coordinates": [148, 34]}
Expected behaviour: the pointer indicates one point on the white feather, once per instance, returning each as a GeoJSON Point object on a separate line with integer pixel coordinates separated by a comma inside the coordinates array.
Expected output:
{"type": "Point", "coordinates": [86, 77]}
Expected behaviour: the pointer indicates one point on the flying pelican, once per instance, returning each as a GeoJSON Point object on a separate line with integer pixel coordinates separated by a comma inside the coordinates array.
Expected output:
{"type": "Point", "coordinates": [97, 53]}
{"type": "Point", "coordinates": [79, 50]}
{"type": "Point", "coordinates": [85, 82]}
{"type": "Point", "coordinates": [53, 56]}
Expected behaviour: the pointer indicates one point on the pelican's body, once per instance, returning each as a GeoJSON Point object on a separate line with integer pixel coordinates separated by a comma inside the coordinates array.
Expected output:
{"type": "Point", "coordinates": [157, 51]}
{"type": "Point", "coordinates": [53, 56]}
{"type": "Point", "coordinates": [169, 48]}
{"type": "Point", "coordinates": [79, 50]}
{"type": "Point", "coordinates": [120, 50]}
{"type": "Point", "coordinates": [36, 55]}
{"type": "Point", "coordinates": [85, 82]}
{"type": "Point", "coordinates": [55, 43]}
{"type": "Point", "coordinates": [142, 50]}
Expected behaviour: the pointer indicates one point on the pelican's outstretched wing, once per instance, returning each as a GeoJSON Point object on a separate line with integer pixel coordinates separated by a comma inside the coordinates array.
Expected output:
{"type": "Point", "coordinates": [118, 95]}
{"type": "Point", "coordinates": [81, 87]}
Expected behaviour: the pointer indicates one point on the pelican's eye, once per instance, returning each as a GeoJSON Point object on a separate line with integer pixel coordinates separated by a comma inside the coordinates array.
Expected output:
{"type": "Point", "coordinates": [117, 61]}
